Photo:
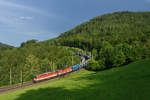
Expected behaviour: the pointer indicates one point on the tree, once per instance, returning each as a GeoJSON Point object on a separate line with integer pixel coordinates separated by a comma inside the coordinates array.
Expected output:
{"type": "Point", "coordinates": [95, 65]}
{"type": "Point", "coordinates": [147, 49]}
{"type": "Point", "coordinates": [31, 67]}
{"type": "Point", "coordinates": [45, 65]}
{"type": "Point", "coordinates": [113, 56]}
{"type": "Point", "coordinates": [29, 42]}
{"type": "Point", "coordinates": [101, 64]}
{"type": "Point", "coordinates": [95, 54]}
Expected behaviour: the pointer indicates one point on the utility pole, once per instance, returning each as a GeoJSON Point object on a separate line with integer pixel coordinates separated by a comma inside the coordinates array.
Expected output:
{"type": "Point", "coordinates": [72, 59]}
{"type": "Point", "coordinates": [10, 76]}
{"type": "Point", "coordinates": [21, 78]}
{"type": "Point", "coordinates": [53, 66]}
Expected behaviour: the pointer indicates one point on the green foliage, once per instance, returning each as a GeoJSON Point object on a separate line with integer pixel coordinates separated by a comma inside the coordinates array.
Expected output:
{"type": "Point", "coordinates": [31, 67]}
{"type": "Point", "coordinates": [101, 64]}
{"type": "Point", "coordinates": [45, 65]}
{"type": "Point", "coordinates": [29, 43]}
{"type": "Point", "coordinates": [113, 56]}
{"type": "Point", "coordinates": [95, 65]}
{"type": "Point", "coordinates": [95, 54]}
{"type": "Point", "coordinates": [35, 59]}
{"type": "Point", "coordinates": [147, 49]}
{"type": "Point", "coordinates": [5, 47]}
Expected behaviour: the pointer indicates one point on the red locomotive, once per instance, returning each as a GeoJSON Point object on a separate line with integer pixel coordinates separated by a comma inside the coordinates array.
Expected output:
{"type": "Point", "coordinates": [49, 75]}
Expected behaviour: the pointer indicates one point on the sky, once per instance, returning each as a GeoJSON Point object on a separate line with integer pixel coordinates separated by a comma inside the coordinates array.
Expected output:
{"type": "Point", "coordinates": [22, 20]}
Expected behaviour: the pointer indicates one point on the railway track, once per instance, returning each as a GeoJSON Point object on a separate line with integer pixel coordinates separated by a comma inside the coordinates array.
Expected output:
{"type": "Point", "coordinates": [29, 84]}
{"type": "Point", "coordinates": [15, 87]}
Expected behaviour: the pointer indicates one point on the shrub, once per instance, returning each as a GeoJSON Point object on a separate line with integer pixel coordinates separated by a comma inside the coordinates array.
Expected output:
{"type": "Point", "coordinates": [95, 65]}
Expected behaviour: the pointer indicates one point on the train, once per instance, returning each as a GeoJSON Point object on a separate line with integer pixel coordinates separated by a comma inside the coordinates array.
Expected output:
{"type": "Point", "coordinates": [60, 72]}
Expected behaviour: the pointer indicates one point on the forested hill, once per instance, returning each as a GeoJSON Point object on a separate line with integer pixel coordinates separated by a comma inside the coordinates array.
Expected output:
{"type": "Point", "coordinates": [5, 46]}
{"type": "Point", "coordinates": [118, 38]}
{"type": "Point", "coordinates": [112, 24]}
{"type": "Point", "coordinates": [114, 28]}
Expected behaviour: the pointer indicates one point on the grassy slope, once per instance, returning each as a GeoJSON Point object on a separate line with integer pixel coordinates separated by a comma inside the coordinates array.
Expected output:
{"type": "Point", "coordinates": [126, 83]}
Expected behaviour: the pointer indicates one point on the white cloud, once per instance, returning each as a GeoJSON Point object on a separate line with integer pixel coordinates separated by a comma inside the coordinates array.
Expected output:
{"type": "Point", "coordinates": [11, 5]}
{"type": "Point", "coordinates": [26, 17]}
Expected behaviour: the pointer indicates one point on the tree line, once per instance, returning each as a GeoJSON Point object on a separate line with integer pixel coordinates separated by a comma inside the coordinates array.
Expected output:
{"type": "Point", "coordinates": [22, 63]}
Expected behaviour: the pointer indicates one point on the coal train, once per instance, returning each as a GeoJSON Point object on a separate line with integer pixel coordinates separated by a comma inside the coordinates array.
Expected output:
{"type": "Point", "coordinates": [60, 72]}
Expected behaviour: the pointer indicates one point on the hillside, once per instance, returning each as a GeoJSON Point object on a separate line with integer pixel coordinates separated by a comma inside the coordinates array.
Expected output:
{"type": "Point", "coordinates": [129, 82]}
{"type": "Point", "coordinates": [114, 28]}
{"type": "Point", "coordinates": [117, 39]}
{"type": "Point", "coordinates": [5, 47]}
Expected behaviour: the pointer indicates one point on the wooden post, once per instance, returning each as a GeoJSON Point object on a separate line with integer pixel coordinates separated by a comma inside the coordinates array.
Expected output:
{"type": "Point", "coordinates": [10, 76]}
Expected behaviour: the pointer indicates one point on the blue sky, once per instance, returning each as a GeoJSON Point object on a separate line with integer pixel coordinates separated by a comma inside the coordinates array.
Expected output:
{"type": "Point", "coordinates": [22, 20]}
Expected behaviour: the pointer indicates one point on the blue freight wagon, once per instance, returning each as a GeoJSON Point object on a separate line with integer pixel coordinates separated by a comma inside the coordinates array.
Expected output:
{"type": "Point", "coordinates": [75, 67]}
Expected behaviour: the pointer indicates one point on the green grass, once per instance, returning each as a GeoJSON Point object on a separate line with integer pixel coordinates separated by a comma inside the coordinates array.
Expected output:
{"type": "Point", "coordinates": [131, 82]}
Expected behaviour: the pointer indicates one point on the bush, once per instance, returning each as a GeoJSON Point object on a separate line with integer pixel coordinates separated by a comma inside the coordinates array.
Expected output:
{"type": "Point", "coordinates": [95, 65]}
{"type": "Point", "coordinates": [101, 65]}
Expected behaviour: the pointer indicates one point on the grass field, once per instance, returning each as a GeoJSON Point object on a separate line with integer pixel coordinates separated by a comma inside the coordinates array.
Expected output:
{"type": "Point", "coordinates": [131, 82]}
